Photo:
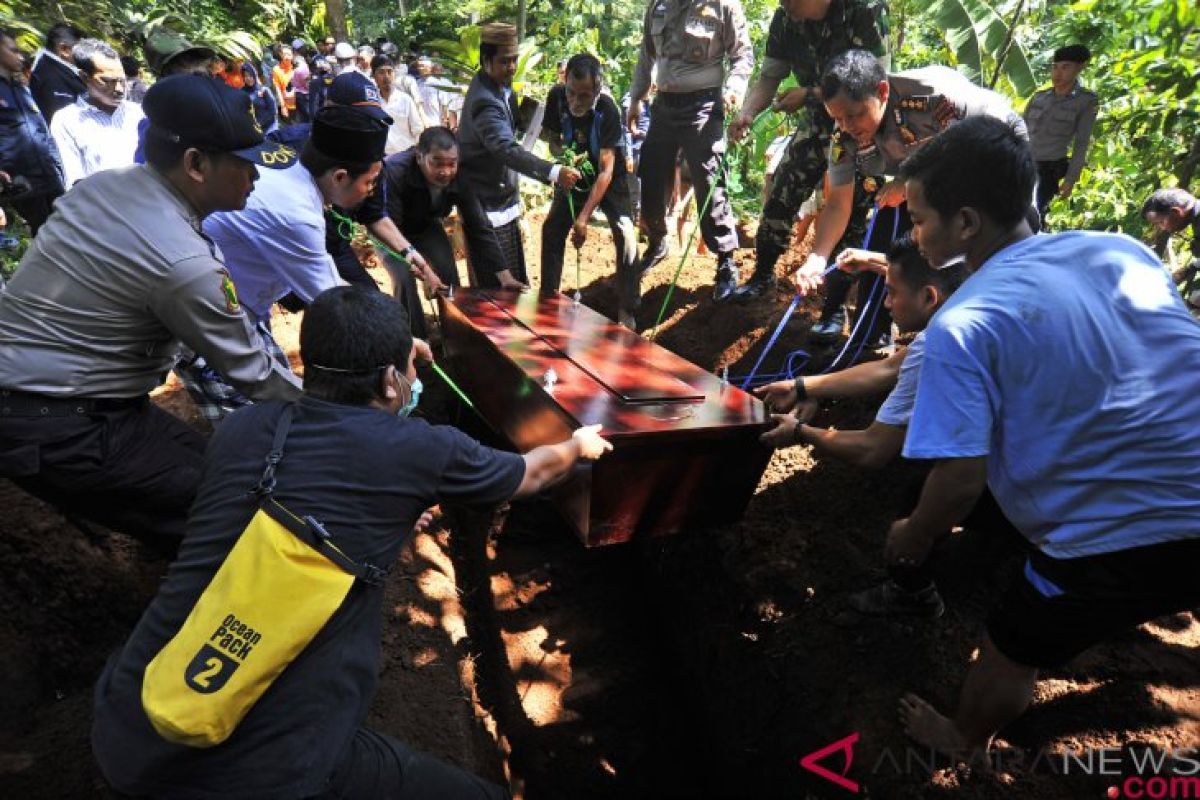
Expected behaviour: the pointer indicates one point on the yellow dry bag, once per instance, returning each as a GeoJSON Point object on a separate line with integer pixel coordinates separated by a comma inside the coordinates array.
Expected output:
{"type": "Point", "coordinates": [276, 589]}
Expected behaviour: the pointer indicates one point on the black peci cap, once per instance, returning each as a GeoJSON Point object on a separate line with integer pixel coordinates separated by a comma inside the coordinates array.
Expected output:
{"type": "Point", "coordinates": [198, 111]}
{"type": "Point", "coordinates": [349, 134]}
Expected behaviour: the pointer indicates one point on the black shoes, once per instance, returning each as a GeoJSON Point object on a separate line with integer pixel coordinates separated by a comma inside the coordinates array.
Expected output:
{"type": "Point", "coordinates": [828, 328]}
{"type": "Point", "coordinates": [887, 599]}
{"type": "Point", "coordinates": [760, 283]}
{"type": "Point", "coordinates": [655, 253]}
{"type": "Point", "coordinates": [727, 279]}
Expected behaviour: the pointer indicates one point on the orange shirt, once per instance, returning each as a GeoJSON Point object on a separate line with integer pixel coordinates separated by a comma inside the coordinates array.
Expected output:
{"type": "Point", "coordinates": [282, 78]}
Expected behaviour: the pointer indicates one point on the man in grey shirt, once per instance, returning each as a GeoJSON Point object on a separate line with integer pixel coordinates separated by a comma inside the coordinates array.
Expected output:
{"type": "Point", "coordinates": [1061, 118]}
{"type": "Point", "coordinates": [688, 42]}
{"type": "Point", "coordinates": [93, 319]}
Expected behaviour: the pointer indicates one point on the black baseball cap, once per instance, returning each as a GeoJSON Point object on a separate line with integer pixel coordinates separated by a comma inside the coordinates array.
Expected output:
{"type": "Point", "coordinates": [203, 112]}
{"type": "Point", "coordinates": [357, 90]}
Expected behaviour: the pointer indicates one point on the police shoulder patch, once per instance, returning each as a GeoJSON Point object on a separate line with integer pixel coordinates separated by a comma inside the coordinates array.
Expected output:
{"type": "Point", "coordinates": [230, 292]}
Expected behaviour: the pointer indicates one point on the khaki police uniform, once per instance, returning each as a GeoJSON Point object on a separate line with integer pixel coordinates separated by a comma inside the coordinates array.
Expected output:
{"type": "Point", "coordinates": [1058, 123]}
{"type": "Point", "coordinates": [688, 42]}
{"type": "Point", "coordinates": [911, 118]}
{"type": "Point", "coordinates": [91, 323]}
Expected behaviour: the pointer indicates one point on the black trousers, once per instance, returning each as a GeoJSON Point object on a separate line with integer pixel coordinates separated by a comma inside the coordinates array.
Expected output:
{"type": "Point", "coordinates": [378, 767]}
{"type": "Point", "coordinates": [1050, 175]}
{"type": "Point", "coordinates": [557, 227]}
{"type": "Point", "coordinates": [434, 245]}
{"type": "Point", "coordinates": [890, 223]}
{"type": "Point", "coordinates": [133, 469]}
{"type": "Point", "coordinates": [694, 122]}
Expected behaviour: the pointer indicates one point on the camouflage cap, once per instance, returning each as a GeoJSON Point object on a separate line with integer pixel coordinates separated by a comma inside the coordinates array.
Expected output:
{"type": "Point", "coordinates": [165, 45]}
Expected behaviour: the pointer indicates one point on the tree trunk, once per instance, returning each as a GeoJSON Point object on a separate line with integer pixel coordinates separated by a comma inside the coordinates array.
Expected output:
{"type": "Point", "coordinates": [335, 18]}
{"type": "Point", "coordinates": [522, 9]}
{"type": "Point", "coordinates": [1008, 43]}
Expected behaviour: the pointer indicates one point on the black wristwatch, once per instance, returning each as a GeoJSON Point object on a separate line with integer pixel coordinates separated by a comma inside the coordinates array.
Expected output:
{"type": "Point", "coordinates": [801, 392]}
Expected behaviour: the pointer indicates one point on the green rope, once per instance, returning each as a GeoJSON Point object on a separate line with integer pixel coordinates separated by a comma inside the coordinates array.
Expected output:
{"type": "Point", "coordinates": [579, 160]}
{"type": "Point", "coordinates": [454, 386]}
{"type": "Point", "coordinates": [349, 230]}
{"type": "Point", "coordinates": [712, 185]}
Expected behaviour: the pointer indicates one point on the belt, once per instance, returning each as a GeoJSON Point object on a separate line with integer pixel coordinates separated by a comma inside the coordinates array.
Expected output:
{"type": "Point", "coordinates": [676, 99]}
{"type": "Point", "coordinates": [24, 404]}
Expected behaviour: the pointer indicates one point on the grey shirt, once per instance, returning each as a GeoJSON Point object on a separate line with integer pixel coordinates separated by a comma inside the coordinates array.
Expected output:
{"type": "Point", "coordinates": [115, 279]}
{"type": "Point", "coordinates": [909, 120]}
{"type": "Point", "coordinates": [688, 41]}
{"type": "Point", "coordinates": [1055, 121]}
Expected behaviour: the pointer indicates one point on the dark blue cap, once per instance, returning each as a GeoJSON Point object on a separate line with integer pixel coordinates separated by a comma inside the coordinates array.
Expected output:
{"type": "Point", "coordinates": [198, 111]}
{"type": "Point", "coordinates": [355, 89]}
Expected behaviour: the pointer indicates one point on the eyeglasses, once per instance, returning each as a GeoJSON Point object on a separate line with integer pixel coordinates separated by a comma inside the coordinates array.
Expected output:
{"type": "Point", "coordinates": [110, 83]}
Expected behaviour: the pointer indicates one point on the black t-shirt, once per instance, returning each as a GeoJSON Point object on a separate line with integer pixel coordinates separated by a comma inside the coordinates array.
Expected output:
{"type": "Point", "coordinates": [600, 129]}
{"type": "Point", "coordinates": [367, 476]}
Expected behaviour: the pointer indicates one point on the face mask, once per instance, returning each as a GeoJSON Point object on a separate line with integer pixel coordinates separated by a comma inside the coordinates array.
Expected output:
{"type": "Point", "coordinates": [414, 396]}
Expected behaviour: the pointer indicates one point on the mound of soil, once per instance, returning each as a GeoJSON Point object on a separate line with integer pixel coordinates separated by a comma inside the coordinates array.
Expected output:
{"type": "Point", "coordinates": [705, 665]}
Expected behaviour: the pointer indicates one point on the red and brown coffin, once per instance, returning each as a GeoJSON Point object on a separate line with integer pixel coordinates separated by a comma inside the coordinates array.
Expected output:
{"type": "Point", "coordinates": [685, 445]}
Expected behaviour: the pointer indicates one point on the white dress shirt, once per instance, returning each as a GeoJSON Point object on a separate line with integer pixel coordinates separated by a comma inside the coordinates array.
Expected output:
{"type": "Point", "coordinates": [407, 122]}
{"type": "Point", "coordinates": [90, 140]}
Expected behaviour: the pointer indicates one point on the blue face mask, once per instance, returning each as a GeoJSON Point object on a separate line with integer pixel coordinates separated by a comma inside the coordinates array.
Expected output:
{"type": "Point", "coordinates": [414, 396]}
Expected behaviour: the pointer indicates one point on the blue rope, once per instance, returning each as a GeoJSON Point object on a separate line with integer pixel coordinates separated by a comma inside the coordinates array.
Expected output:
{"type": "Point", "coordinates": [874, 299]}
{"type": "Point", "coordinates": [771, 342]}
{"type": "Point", "coordinates": [791, 368]}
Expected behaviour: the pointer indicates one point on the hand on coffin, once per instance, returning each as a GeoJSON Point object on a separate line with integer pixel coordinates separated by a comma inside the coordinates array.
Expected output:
{"type": "Point", "coordinates": [591, 444]}
{"type": "Point", "coordinates": [784, 432]}
{"type": "Point", "coordinates": [779, 396]}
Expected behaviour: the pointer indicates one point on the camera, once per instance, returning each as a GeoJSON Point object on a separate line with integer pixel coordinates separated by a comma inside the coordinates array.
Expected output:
{"type": "Point", "coordinates": [14, 187]}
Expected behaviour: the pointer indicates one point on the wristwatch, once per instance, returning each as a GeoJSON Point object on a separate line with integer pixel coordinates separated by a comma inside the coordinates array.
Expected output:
{"type": "Point", "coordinates": [408, 251]}
{"type": "Point", "coordinates": [801, 392]}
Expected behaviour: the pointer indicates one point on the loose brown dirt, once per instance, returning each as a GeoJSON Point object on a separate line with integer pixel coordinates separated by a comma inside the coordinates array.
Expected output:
{"type": "Point", "coordinates": [705, 665]}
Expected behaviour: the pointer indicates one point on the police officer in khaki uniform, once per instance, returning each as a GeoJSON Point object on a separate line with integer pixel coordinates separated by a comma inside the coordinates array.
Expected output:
{"type": "Point", "coordinates": [1061, 118]}
{"type": "Point", "coordinates": [94, 317]}
{"type": "Point", "coordinates": [882, 118]}
{"type": "Point", "coordinates": [688, 42]}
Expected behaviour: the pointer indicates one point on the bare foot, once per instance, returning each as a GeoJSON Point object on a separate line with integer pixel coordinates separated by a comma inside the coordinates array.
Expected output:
{"type": "Point", "coordinates": [923, 723]}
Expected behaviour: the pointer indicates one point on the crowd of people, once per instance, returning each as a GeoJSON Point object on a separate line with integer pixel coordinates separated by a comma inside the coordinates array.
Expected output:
{"type": "Point", "coordinates": [1047, 385]}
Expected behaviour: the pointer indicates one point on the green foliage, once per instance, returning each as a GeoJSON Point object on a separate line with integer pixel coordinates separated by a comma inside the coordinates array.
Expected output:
{"type": "Point", "coordinates": [460, 57]}
{"type": "Point", "coordinates": [416, 29]}
{"type": "Point", "coordinates": [978, 36]}
{"type": "Point", "coordinates": [1145, 68]}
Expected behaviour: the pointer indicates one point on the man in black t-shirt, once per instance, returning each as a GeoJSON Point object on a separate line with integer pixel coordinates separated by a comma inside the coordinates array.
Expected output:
{"type": "Point", "coordinates": [354, 460]}
{"type": "Point", "coordinates": [585, 124]}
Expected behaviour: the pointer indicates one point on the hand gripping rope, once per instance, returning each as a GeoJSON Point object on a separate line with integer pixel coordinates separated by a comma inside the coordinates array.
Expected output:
{"type": "Point", "coordinates": [869, 309]}
{"type": "Point", "coordinates": [569, 157]}
{"type": "Point", "coordinates": [350, 230]}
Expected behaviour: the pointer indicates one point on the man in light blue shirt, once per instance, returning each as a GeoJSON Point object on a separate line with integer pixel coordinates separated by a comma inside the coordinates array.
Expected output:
{"type": "Point", "coordinates": [915, 292]}
{"type": "Point", "coordinates": [1065, 375]}
{"type": "Point", "coordinates": [276, 246]}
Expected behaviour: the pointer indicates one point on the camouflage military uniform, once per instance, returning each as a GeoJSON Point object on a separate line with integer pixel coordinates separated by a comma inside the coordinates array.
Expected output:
{"type": "Point", "coordinates": [804, 48]}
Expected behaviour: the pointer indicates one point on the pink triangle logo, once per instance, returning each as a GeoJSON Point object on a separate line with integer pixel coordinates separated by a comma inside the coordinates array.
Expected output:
{"type": "Point", "coordinates": [846, 745]}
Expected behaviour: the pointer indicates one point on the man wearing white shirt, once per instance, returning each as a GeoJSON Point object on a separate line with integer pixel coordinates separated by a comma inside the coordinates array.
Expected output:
{"type": "Point", "coordinates": [407, 121]}
{"type": "Point", "coordinates": [100, 131]}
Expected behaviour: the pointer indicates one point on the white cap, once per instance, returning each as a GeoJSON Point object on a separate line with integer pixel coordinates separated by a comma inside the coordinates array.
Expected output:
{"type": "Point", "coordinates": [343, 51]}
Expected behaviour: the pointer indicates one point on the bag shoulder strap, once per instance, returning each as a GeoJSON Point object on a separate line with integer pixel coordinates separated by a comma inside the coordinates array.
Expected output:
{"type": "Point", "coordinates": [307, 529]}
{"type": "Point", "coordinates": [266, 484]}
